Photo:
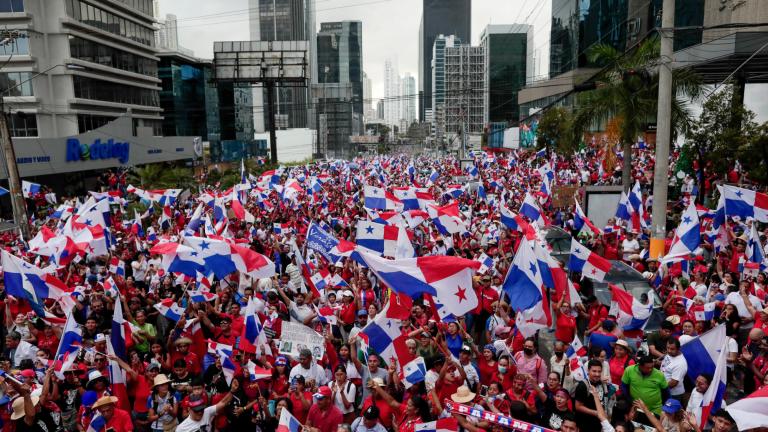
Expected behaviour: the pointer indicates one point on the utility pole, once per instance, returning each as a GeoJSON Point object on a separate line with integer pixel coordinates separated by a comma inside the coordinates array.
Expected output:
{"type": "Point", "coordinates": [272, 133]}
{"type": "Point", "coordinates": [663, 132]}
{"type": "Point", "coordinates": [14, 183]}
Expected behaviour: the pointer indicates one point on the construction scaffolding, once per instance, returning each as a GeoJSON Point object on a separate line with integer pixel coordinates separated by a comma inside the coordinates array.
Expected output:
{"type": "Point", "coordinates": [464, 91]}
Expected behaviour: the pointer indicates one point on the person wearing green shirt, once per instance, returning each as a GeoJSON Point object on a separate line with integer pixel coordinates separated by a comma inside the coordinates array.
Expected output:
{"type": "Point", "coordinates": [143, 334]}
{"type": "Point", "coordinates": [643, 381]}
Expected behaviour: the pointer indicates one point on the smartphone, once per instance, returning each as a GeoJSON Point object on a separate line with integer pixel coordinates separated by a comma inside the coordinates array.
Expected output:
{"type": "Point", "coordinates": [484, 391]}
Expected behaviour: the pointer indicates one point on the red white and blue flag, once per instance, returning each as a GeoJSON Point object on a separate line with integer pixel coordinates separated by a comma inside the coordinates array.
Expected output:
{"type": "Point", "coordinates": [447, 278]}
{"type": "Point", "coordinates": [582, 223]}
{"type": "Point", "coordinates": [629, 312]}
{"type": "Point", "coordinates": [170, 309]}
{"type": "Point", "coordinates": [449, 424]}
{"type": "Point", "coordinates": [687, 236]}
{"type": "Point", "coordinates": [287, 422]}
{"type": "Point", "coordinates": [588, 263]}
{"type": "Point", "coordinates": [745, 203]}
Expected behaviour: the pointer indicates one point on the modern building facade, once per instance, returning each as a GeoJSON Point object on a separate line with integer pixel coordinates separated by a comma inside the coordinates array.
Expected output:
{"type": "Point", "coordinates": [182, 96]}
{"type": "Point", "coordinates": [75, 66]}
{"type": "Point", "coordinates": [167, 36]}
{"type": "Point", "coordinates": [508, 61]}
{"type": "Point", "coordinates": [437, 112]}
{"type": "Point", "coordinates": [409, 96]}
{"type": "Point", "coordinates": [465, 97]}
{"type": "Point", "coordinates": [392, 101]}
{"type": "Point", "coordinates": [285, 20]}
{"type": "Point", "coordinates": [340, 57]}
{"type": "Point", "coordinates": [369, 113]}
{"type": "Point", "coordinates": [446, 17]}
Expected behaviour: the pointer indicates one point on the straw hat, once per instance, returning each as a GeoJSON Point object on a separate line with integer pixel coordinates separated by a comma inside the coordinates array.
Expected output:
{"type": "Point", "coordinates": [183, 341]}
{"type": "Point", "coordinates": [104, 401]}
{"type": "Point", "coordinates": [18, 407]}
{"type": "Point", "coordinates": [160, 379]}
{"type": "Point", "coordinates": [463, 395]}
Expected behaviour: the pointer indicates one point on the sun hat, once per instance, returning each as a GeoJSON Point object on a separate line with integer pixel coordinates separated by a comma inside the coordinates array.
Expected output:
{"type": "Point", "coordinates": [104, 401]}
{"type": "Point", "coordinates": [622, 343]}
{"type": "Point", "coordinates": [18, 407]}
{"type": "Point", "coordinates": [160, 379]}
{"type": "Point", "coordinates": [463, 395]}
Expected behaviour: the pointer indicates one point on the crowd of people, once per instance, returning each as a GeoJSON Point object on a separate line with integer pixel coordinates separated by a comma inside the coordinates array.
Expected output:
{"type": "Point", "coordinates": [188, 365]}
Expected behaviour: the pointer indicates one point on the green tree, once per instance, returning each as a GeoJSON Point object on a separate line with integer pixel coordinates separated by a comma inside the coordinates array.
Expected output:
{"type": "Point", "coordinates": [556, 131]}
{"type": "Point", "coordinates": [627, 88]}
{"type": "Point", "coordinates": [722, 133]}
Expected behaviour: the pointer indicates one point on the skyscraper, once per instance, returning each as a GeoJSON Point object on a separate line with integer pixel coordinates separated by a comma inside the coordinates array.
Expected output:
{"type": "Point", "coordinates": [408, 97]}
{"type": "Point", "coordinates": [339, 92]}
{"type": "Point", "coordinates": [368, 111]}
{"type": "Point", "coordinates": [447, 17]}
{"type": "Point", "coordinates": [508, 60]}
{"type": "Point", "coordinates": [438, 82]}
{"type": "Point", "coordinates": [284, 20]}
{"type": "Point", "coordinates": [167, 36]}
{"type": "Point", "coordinates": [392, 104]}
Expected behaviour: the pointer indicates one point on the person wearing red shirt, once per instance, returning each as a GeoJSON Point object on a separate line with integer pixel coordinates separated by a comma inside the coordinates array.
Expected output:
{"type": "Point", "coordinates": [194, 366]}
{"type": "Point", "coordinates": [47, 340]}
{"type": "Point", "coordinates": [300, 398]}
{"type": "Point", "coordinates": [117, 419]}
{"type": "Point", "coordinates": [596, 312]}
{"type": "Point", "coordinates": [324, 416]}
{"type": "Point", "coordinates": [348, 311]}
{"type": "Point", "coordinates": [565, 330]}
{"type": "Point", "coordinates": [519, 392]}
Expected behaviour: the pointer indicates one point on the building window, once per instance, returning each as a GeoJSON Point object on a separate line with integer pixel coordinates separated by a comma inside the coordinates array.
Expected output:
{"type": "Point", "coordinates": [22, 125]}
{"type": "Point", "coordinates": [11, 5]}
{"type": "Point", "coordinates": [109, 22]}
{"type": "Point", "coordinates": [89, 88]}
{"type": "Point", "coordinates": [93, 52]}
{"type": "Point", "coordinates": [16, 84]}
{"type": "Point", "coordinates": [89, 122]}
{"type": "Point", "coordinates": [18, 43]}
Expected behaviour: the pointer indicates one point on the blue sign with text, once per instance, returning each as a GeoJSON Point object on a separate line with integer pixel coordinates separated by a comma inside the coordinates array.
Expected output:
{"type": "Point", "coordinates": [108, 149]}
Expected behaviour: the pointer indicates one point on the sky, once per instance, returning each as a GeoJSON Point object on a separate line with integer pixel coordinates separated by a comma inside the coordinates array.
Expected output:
{"type": "Point", "coordinates": [390, 30]}
{"type": "Point", "coordinates": [390, 27]}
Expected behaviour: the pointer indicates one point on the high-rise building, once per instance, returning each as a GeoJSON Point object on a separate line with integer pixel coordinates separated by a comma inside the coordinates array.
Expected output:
{"type": "Point", "coordinates": [446, 17]}
{"type": "Point", "coordinates": [465, 99]}
{"type": "Point", "coordinates": [83, 75]}
{"type": "Point", "coordinates": [408, 97]}
{"type": "Point", "coordinates": [339, 93]}
{"type": "Point", "coordinates": [368, 111]}
{"type": "Point", "coordinates": [392, 95]}
{"type": "Point", "coordinates": [508, 61]}
{"type": "Point", "coordinates": [167, 36]}
{"type": "Point", "coordinates": [436, 115]}
{"type": "Point", "coordinates": [284, 20]}
{"type": "Point", "coordinates": [380, 109]}
{"type": "Point", "coordinates": [340, 57]}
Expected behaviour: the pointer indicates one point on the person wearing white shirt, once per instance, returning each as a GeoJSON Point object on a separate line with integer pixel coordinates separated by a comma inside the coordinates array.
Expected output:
{"type": "Point", "coordinates": [344, 391]}
{"type": "Point", "coordinates": [629, 246]}
{"type": "Point", "coordinates": [674, 367]}
{"type": "Point", "coordinates": [308, 369]}
{"type": "Point", "coordinates": [697, 396]}
{"type": "Point", "coordinates": [19, 350]}
{"type": "Point", "coordinates": [737, 298]}
{"type": "Point", "coordinates": [201, 416]}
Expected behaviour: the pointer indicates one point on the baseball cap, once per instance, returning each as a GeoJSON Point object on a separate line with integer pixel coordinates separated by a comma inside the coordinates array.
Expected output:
{"type": "Point", "coordinates": [323, 392]}
{"type": "Point", "coordinates": [671, 406]}
{"type": "Point", "coordinates": [196, 403]}
{"type": "Point", "coordinates": [281, 361]}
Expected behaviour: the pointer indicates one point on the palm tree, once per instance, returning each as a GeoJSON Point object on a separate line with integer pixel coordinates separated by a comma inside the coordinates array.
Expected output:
{"type": "Point", "coordinates": [628, 90]}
